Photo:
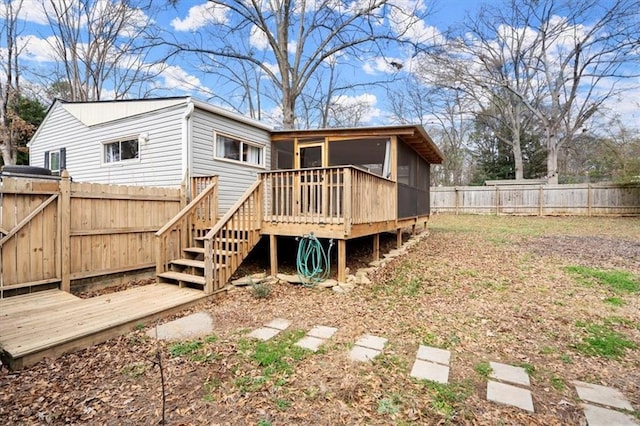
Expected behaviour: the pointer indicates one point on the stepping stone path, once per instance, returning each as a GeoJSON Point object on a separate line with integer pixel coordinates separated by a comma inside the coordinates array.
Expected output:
{"type": "Point", "coordinates": [605, 397]}
{"type": "Point", "coordinates": [367, 347]}
{"type": "Point", "coordinates": [507, 393]}
{"type": "Point", "coordinates": [271, 329]}
{"type": "Point", "coordinates": [431, 364]}
{"type": "Point", "coordinates": [316, 337]}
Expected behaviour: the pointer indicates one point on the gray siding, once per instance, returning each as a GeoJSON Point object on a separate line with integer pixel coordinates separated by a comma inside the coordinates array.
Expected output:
{"type": "Point", "coordinates": [160, 158]}
{"type": "Point", "coordinates": [233, 178]}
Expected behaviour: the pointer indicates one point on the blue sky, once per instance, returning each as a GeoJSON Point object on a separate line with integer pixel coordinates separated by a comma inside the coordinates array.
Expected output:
{"type": "Point", "coordinates": [184, 76]}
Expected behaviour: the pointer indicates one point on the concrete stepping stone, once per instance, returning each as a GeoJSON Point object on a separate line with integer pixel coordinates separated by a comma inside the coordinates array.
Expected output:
{"type": "Point", "coordinates": [431, 364]}
{"type": "Point", "coordinates": [509, 373]}
{"type": "Point", "coordinates": [316, 337]}
{"type": "Point", "coordinates": [371, 342]}
{"type": "Point", "coordinates": [270, 329]}
{"type": "Point", "coordinates": [507, 393]}
{"type": "Point", "coordinates": [367, 347]}
{"type": "Point", "coordinates": [189, 327]}
{"type": "Point", "coordinates": [602, 395]}
{"type": "Point", "coordinates": [599, 416]}
{"type": "Point", "coordinates": [510, 395]}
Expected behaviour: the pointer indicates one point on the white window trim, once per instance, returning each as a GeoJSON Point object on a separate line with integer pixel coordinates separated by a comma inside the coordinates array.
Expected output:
{"type": "Point", "coordinates": [103, 144]}
{"type": "Point", "coordinates": [55, 172]}
{"type": "Point", "coordinates": [262, 148]}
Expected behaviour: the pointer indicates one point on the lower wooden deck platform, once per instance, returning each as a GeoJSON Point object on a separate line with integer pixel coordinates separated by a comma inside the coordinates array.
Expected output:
{"type": "Point", "coordinates": [51, 323]}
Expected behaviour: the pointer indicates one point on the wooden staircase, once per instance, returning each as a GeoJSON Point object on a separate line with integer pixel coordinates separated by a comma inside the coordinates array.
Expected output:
{"type": "Point", "coordinates": [195, 252]}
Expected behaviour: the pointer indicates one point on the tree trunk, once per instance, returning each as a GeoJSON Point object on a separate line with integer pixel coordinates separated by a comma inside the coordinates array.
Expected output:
{"type": "Point", "coordinates": [517, 157]}
{"type": "Point", "coordinates": [552, 161]}
{"type": "Point", "coordinates": [9, 155]}
{"type": "Point", "coordinates": [288, 115]}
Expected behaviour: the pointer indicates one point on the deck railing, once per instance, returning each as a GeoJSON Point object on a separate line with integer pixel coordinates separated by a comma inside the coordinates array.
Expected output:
{"type": "Point", "coordinates": [333, 195]}
{"type": "Point", "coordinates": [191, 222]}
{"type": "Point", "coordinates": [232, 238]}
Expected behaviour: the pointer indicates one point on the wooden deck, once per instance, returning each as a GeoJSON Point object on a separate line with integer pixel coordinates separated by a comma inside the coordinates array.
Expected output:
{"type": "Point", "coordinates": [52, 322]}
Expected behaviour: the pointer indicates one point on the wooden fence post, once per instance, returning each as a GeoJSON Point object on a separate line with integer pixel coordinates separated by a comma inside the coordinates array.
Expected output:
{"type": "Point", "coordinates": [589, 200]}
{"type": "Point", "coordinates": [540, 200]}
{"type": "Point", "coordinates": [65, 231]}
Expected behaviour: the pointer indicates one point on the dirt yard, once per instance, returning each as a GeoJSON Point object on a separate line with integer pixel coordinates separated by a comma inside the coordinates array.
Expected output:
{"type": "Point", "coordinates": [523, 291]}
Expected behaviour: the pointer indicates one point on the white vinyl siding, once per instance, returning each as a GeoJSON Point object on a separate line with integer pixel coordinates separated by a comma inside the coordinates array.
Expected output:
{"type": "Point", "coordinates": [233, 177]}
{"type": "Point", "coordinates": [160, 158]}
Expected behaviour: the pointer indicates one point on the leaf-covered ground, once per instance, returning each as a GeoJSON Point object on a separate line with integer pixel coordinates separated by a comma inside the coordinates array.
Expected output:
{"type": "Point", "coordinates": [487, 288]}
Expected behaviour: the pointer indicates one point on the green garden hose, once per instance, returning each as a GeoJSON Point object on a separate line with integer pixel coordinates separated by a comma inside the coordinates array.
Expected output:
{"type": "Point", "coordinates": [312, 262]}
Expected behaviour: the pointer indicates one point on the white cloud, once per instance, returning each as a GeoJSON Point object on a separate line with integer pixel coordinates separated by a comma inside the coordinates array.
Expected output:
{"type": "Point", "coordinates": [362, 105]}
{"type": "Point", "coordinates": [201, 15]}
{"type": "Point", "coordinates": [37, 49]}
{"type": "Point", "coordinates": [178, 79]}
{"type": "Point", "coordinates": [31, 11]}
{"type": "Point", "coordinates": [382, 65]}
{"type": "Point", "coordinates": [258, 39]}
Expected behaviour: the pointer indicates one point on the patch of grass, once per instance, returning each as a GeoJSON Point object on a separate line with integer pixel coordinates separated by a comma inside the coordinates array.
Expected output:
{"type": "Point", "coordinates": [192, 350]}
{"type": "Point", "coordinates": [282, 404]}
{"type": "Point", "coordinates": [446, 398]}
{"type": "Point", "coordinates": [483, 369]}
{"type": "Point", "coordinates": [620, 281]}
{"type": "Point", "coordinates": [602, 340]}
{"type": "Point", "coordinates": [614, 301]}
{"type": "Point", "coordinates": [263, 422]}
{"type": "Point", "coordinates": [135, 369]}
{"type": "Point", "coordinates": [557, 383]}
{"type": "Point", "coordinates": [185, 348]}
{"type": "Point", "coordinates": [546, 350]}
{"type": "Point", "coordinates": [277, 356]}
{"type": "Point", "coordinates": [260, 290]}
{"type": "Point", "coordinates": [210, 387]}
{"type": "Point", "coordinates": [139, 326]}
{"type": "Point", "coordinates": [566, 359]}
{"type": "Point", "coordinates": [390, 405]}
{"type": "Point", "coordinates": [529, 368]}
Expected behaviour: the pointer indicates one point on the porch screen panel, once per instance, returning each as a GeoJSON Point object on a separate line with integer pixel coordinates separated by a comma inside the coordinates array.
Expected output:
{"type": "Point", "coordinates": [407, 201]}
{"type": "Point", "coordinates": [424, 179]}
{"type": "Point", "coordinates": [407, 182]}
{"type": "Point", "coordinates": [367, 154]}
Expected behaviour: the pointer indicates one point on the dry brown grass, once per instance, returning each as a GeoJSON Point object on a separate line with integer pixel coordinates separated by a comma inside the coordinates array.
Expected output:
{"type": "Point", "coordinates": [487, 288]}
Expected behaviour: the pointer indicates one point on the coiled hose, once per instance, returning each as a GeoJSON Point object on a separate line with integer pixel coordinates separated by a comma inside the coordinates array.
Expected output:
{"type": "Point", "coordinates": [312, 263]}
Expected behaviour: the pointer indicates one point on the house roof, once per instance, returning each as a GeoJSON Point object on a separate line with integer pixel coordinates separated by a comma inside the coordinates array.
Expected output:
{"type": "Point", "coordinates": [413, 135]}
{"type": "Point", "coordinates": [98, 112]}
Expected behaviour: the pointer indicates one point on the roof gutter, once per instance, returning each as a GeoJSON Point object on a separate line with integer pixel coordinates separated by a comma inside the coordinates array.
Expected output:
{"type": "Point", "coordinates": [187, 152]}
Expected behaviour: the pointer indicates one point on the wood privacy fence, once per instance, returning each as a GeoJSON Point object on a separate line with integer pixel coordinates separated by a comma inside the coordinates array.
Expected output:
{"type": "Point", "coordinates": [540, 200]}
{"type": "Point", "coordinates": [57, 231]}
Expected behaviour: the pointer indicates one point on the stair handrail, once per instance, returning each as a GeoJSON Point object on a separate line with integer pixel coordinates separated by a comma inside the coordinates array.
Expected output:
{"type": "Point", "coordinates": [188, 208]}
{"type": "Point", "coordinates": [211, 273]}
{"type": "Point", "coordinates": [229, 214]}
{"type": "Point", "coordinates": [181, 221]}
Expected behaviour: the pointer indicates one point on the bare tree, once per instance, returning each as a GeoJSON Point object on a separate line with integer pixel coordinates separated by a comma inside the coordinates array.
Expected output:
{"type": "Point", "coordinates": [447, 115]}
{"type": "Point", "coordinates": [10, 124]}
{"type": "Point", "coordinates": [99, 47]}
{"type": "Point", "coordinates": [583, 50]}
{"type": "Point", "coordinates": [489, 62]}
{"type": "Point", "coordinates": [291, 41]}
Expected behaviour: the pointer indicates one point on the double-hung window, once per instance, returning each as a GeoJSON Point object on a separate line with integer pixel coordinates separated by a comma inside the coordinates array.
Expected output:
{"type": "Point", "coordinates": [56, 161]}
{"type": "Point", "coordinates": [231, 148]}
{"type": "Point", "coordinates": [122, 150]}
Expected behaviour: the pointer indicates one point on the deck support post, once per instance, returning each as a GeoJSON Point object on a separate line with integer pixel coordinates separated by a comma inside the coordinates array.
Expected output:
{"type": "Point", "coordinates": [342, 260]}
{"type": "Point", "coordinates": [399, 238]}
{"type": "Point", "coordinates": [376, 247]}
{"type": "Point", "coordinates": [273, 254]}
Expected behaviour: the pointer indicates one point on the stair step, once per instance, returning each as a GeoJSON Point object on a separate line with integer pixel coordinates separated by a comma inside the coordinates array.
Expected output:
{"type": "Point", "coordinates": [180, 276]}
{"type": "Point", "coordinates": [200, 250]}
{"type": "Point", "coordinates": [189, 262]}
